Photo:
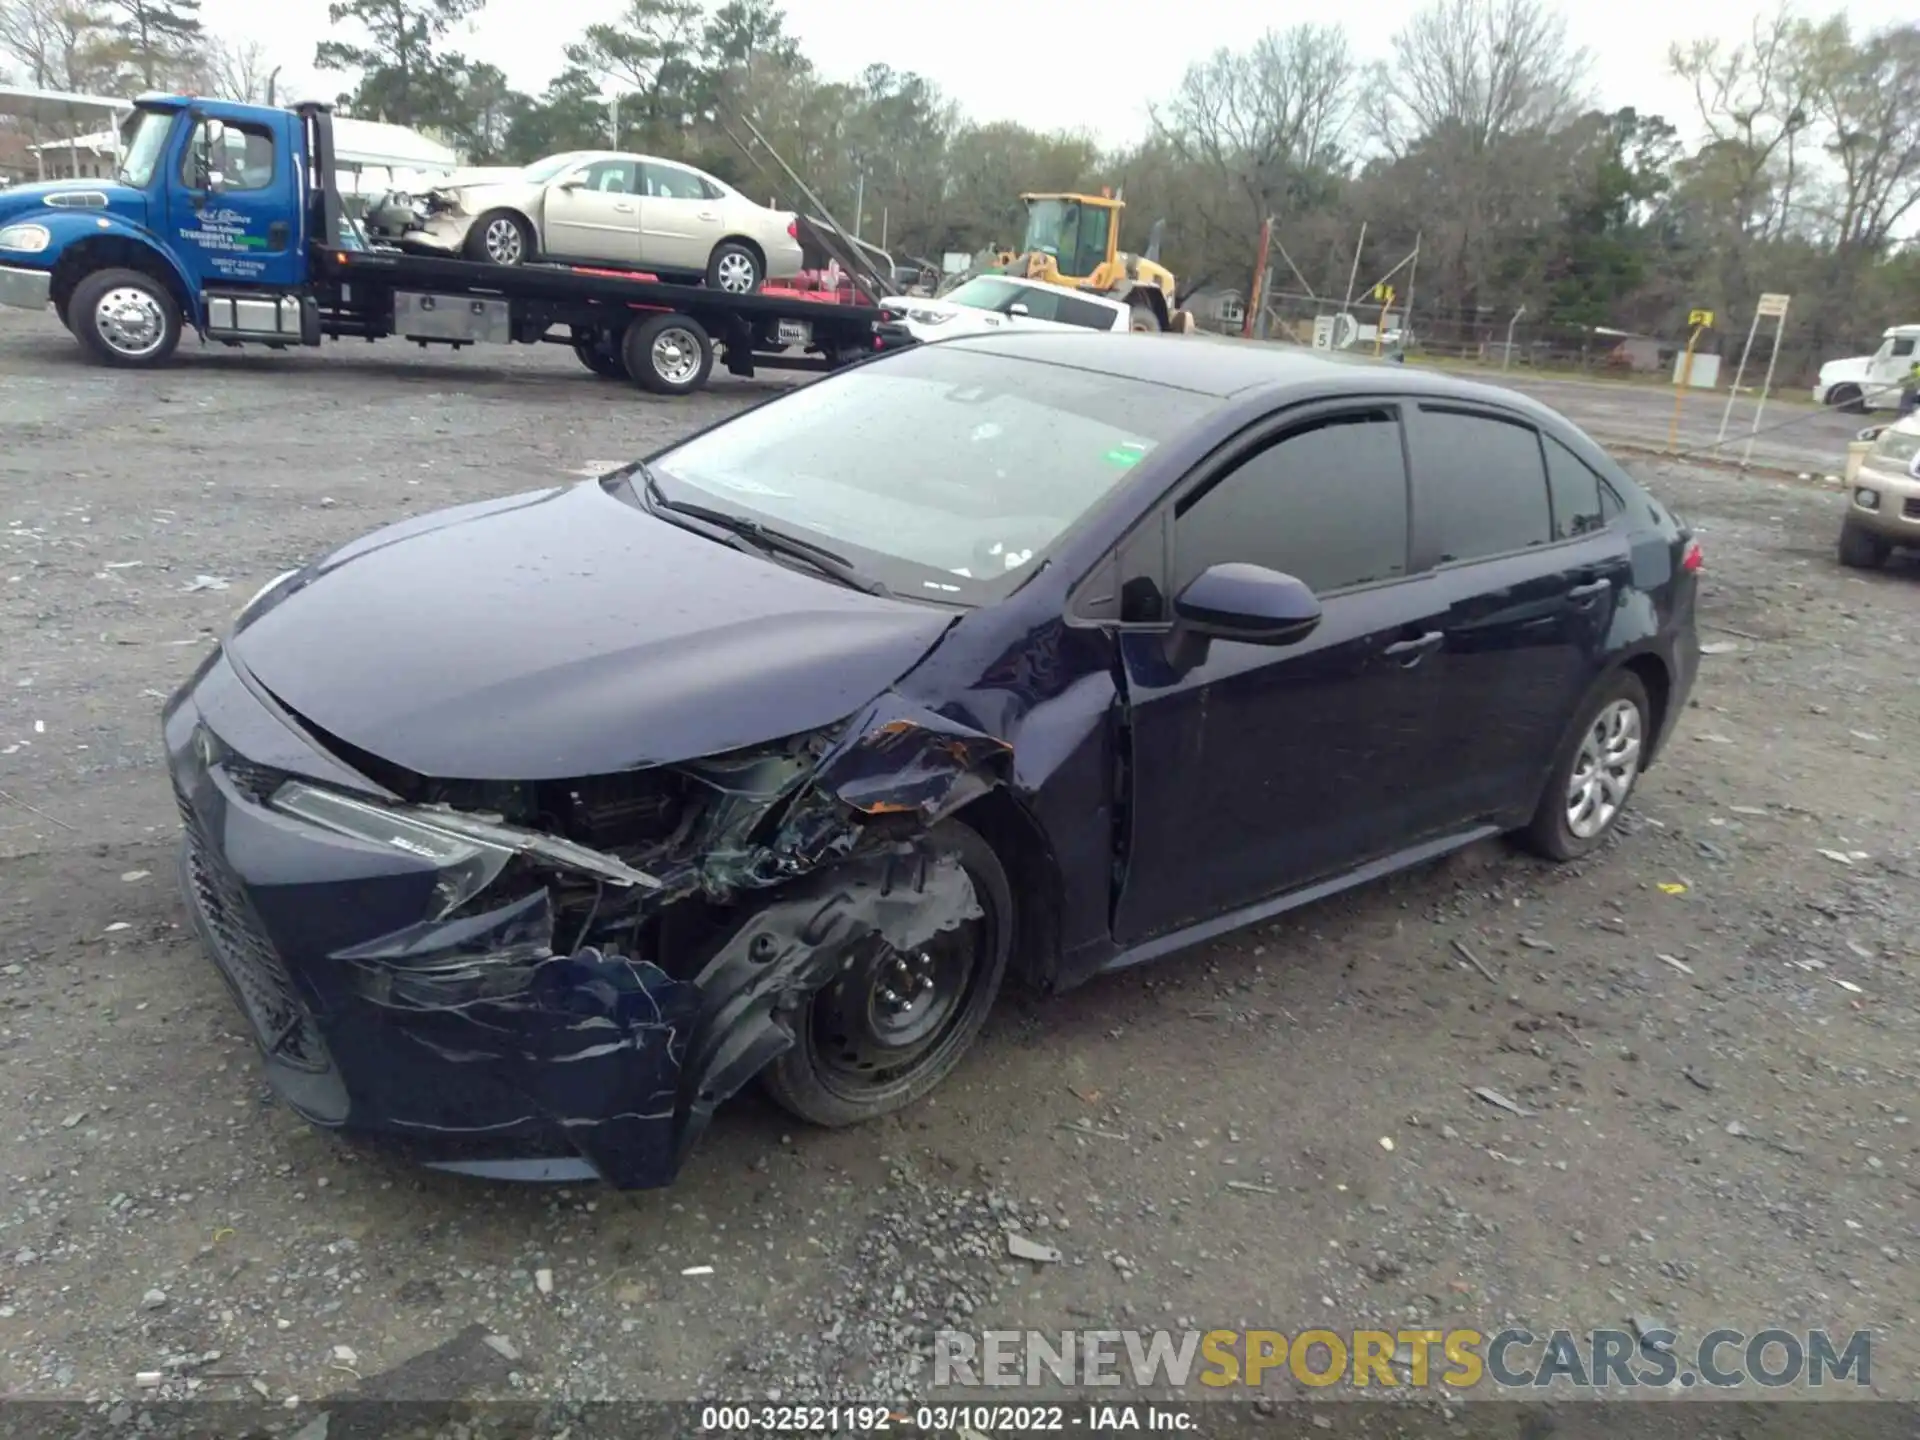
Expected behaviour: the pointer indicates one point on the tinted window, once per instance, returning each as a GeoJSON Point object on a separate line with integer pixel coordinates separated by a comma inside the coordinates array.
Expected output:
{"type": "Point", "coordinates": [1042, 302]}
{"type": "Point", "coordinates": [240, 154]}
{"type": "Point", "coordinates": [1483, 483]}
{"type": "Point", "coordinates": [1074, 311]}
{"type": "Point", "coordinates": [1575, 491]}
{"type": "Point", "coordinates": [1327, 504]}
{"type": "Point", "coordinates": [1903, 347]}
{"type": "Point", "coordinates": [614, 177]}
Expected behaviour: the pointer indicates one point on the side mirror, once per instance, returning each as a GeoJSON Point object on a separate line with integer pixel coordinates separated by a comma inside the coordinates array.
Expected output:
{"type": "Point", "coordinates": [1018, 308]}
{"type": "Point", "coordinates": [215, 180]}
{"type": "Point", "coordinates": [1249, 603]}
{"type": "Point", "coordinates": [1871, 433]}
{"type": "Point", "coordinates": [572, 182]}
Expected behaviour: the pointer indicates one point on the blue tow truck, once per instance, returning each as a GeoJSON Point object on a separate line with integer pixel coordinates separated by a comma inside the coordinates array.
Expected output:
{"type": "Point", "coordinates": [227, 218]}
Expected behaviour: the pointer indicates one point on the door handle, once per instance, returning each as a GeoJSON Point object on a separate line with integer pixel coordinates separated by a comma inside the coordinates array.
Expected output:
{"type": "Point", "coordinates": [1583, 595]}
{"type": "Point", "coordinates": [1411, 652]}
{"type": "Point", "coordinates": [623, 209]}
{"type": "Point", "coordinates": [709, 215]}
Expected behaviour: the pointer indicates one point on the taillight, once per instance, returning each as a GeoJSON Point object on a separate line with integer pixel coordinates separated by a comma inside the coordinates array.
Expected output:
{"type": "Point", "coordinates": [1692, 559]}
{"type": "Point", "coordinates": [793, 229]}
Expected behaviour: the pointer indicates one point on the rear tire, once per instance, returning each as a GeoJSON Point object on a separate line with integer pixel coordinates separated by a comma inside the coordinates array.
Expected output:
{"type": "Point", "coordinates": [818, 1078]}
{"type": "Point", "coordinates": [1861, 549]}
{"type": "Point", "coordinates": [126, 318]}
{"type": "Point", "coordinates": [1146, 320]}
{"type": "Point", "coordinates": [668, 354]}
{"type": "Point", "coordinates": [1594, 776]}
{"type": "Point", "coordinates": [735, 268]}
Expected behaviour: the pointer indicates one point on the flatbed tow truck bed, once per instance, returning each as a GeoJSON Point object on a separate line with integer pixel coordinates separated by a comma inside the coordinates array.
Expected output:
{"type": "Point", "coordinates": [665, 336]}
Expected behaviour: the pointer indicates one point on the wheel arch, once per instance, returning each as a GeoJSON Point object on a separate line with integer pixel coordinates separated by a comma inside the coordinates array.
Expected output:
{"type": "Point", "coordinates": [1033, 874]}
{"type": "Point", "coordinates": [1656, 678]}
{"type": "Point", "coordinates": [120, 252]}
{"type": "Point", "coordinates": [745, 242]}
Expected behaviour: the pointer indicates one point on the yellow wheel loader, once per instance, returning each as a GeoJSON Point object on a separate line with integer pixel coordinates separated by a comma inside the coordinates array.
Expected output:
{"type": "Point", "coordinates": [1073, 241]}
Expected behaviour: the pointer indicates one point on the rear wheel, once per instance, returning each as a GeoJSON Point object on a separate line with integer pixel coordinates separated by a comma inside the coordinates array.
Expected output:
{"type": "Point", "coordinates": [893, 1025]}
{"type": "Point", "coordinates": [1145, 318]}
{"type": "Point", "coordinates": [735, 268]}
{"type": "Point", "coordinates": [500, 238]}
{"type": "Point", "coordinates": [668, 354]}
{"type": "Point", "coordinates": [126, 317]}
{"type": "Point", "coordinates": [1599, 765]}
{"type": "Point", "coordinates": [1862, 549]}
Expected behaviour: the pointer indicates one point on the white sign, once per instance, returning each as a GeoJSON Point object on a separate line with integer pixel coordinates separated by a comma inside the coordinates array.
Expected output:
{"type": "Point", "coordinates": [1773, 306]}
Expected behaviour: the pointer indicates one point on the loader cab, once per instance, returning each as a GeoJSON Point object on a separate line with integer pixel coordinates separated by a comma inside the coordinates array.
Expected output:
{"type": "Point", "coordinates": [1076, 230]}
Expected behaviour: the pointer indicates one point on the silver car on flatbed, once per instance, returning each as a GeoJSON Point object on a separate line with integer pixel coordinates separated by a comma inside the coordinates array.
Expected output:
{"type": "Point", "coordinates": [601, 207]}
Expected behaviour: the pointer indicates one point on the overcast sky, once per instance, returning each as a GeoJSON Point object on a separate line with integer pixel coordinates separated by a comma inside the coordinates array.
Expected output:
{"type": "Point", "coordinates": [978, 57]}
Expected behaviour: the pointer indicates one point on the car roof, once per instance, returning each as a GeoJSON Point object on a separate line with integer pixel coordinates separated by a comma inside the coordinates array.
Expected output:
{"type": "Point", "coordinates": [1227, 368]}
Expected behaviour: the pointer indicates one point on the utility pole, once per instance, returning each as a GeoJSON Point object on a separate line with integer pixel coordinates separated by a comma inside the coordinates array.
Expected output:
{"type": "Point", "coordinates": [613, 121]}
{"type": "Point", "coordinates": [859, 202]}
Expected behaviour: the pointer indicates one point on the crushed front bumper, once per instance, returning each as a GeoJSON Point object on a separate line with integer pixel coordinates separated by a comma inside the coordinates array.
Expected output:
{"type": "Point", "coordinates": [25, 289]}
{"type": "Point", "coordinates": [467, 1039]}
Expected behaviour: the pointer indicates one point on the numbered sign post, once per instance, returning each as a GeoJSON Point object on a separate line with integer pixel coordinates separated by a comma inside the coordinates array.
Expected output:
{"type": "Point", "coordinates": [1771, 306]}
{"type": "Point", "coordinates": [1775, 306]}
{"type": "Point", "coordinates": [1384, 294]}
{"type": "Point", "coordinates": [1701, 321]}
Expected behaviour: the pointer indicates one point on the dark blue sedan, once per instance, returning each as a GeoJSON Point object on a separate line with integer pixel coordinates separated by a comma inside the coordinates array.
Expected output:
{"type": "Point", "coordinates": [528, 832]}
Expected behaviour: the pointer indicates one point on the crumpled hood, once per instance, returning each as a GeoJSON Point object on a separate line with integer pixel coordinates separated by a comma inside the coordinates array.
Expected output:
{"type": "Point", "coordinates": [568, 633]}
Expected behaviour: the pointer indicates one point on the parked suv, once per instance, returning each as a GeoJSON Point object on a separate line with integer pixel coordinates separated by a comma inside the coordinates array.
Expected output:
{"type": "Point", "coordinates": [1884, 509]}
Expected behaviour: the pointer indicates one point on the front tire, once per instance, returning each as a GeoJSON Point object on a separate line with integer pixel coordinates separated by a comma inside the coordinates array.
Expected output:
{"type": "Point", "coordinates": [889, 1029]}
{"type": "Point", "coordinates": [1847, 398]}
{"type": "Point", "coordinates": [1861, 549]}
{"type": "Point", "coordinates": [735, 268]}
{"type": "Point", "coordinates": [1145, 319]}
{"type": "Point", "coordinates": [500, 238]}
{"type": "Point", "coordinates": [126, 318]}
{"type": "Point", "coordinates": [1599, 764]}
{"type": "Point", "coordinates": [668, 354]}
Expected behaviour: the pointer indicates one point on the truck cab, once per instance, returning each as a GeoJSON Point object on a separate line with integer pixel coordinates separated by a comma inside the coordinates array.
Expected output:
{"type": "Point", "coordinates": [1871, 382]}
{"type": "Point", "coordinates": [206, 225]}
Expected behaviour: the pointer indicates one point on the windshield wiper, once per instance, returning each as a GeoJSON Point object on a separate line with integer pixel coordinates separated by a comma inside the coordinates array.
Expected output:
{"type": "Point", "coordinates": [765, 540]}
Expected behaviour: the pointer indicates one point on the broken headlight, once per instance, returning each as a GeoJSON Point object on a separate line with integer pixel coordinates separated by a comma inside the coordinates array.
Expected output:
{"type": "Point", "coordinates": [466, 864]}
{"type": "Point", "coordinates": [469, 851]}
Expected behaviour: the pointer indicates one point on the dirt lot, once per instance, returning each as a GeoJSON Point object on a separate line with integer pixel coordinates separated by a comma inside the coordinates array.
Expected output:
{"type": "Point", "coordinates": [1711, 1025]}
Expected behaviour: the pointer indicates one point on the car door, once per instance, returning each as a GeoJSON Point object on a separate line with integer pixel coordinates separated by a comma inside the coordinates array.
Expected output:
{"type": "Point", "coordinates": [1511, 522]}
{"type": "Point", "coordinates": [1256, 769]}
{"type": "Point", "coordinates": [680, 222]}
{"type": "Point", "coordinates": [593, 213]}
{"type": "Point", "coordinates": [232, 200]}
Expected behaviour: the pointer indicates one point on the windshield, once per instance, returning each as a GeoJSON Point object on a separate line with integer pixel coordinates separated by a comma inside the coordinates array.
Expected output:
{"type": "Point", "coordinates": [142, 139]}
{"type": "Point", "coordinates": [944, 473]}
{"type": "Point", "coordinates": [540, 171]}
{"type": "Point", "coordinates": [985, 293]}
{"type": "Point", "coordinates": [1073, 233]}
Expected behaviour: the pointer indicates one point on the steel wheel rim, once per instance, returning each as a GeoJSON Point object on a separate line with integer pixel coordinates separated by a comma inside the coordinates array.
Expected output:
{"type": "Point", "coordinates": [883, 1017]}
{"type": "Point", "coordinates": [131, 321]}
{"type": "Point", "coordinates": [1604, 769]}
{"type": "Point", "coordinates": [503, 242]}
{"type": "Point", "coordinates": [676, 355]}
{"type": "Point", "coordinates": [737, 272]}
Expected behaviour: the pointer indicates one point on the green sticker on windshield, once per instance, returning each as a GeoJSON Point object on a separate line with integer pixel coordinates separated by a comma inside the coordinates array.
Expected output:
{"type": "Point", "coordinates": [1130, 452]}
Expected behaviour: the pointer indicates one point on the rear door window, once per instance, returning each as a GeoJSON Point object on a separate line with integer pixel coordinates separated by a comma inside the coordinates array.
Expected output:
{"type": "Point", "coordinates": [1483, 485]}
{"type": "Point", "coordinates": [1575, 492]}
{"type": "Point", "coordinates": [1075, 311]}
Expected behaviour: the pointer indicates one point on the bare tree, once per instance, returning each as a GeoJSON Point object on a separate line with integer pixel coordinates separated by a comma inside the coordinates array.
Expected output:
{"type": "Point", "coordinates": [62, 44]}
{"type": "Point", "coordinates": [1752, 100]}
{"type": "Point", "coordinates": [1479, 70]}
{"type": "Point", "coordinates": [241, 71]}
{"type": "Point", "coordinates": [1268, 126]}
{"type": "Point", "coordinates": [1865, 99]}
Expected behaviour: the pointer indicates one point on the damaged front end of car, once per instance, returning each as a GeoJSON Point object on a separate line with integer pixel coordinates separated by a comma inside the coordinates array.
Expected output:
{"type": "Point", "coordinates": [433, 220]}
{"type": "Point", "coordinates": [557, 978]}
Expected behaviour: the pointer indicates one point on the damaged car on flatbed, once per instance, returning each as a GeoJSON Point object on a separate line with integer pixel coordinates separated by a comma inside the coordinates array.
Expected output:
{"type": "Point", "coordinates": [528, 832]}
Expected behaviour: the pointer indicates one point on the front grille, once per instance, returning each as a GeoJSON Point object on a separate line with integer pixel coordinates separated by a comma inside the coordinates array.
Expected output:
{"type": "Point", "coordinates": [1911, 510]}
{"type": "Point", "coordinates": [247, 957]}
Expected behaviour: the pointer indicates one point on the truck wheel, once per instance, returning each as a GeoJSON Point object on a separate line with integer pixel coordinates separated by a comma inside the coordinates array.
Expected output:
{"type": "Point", "coordinates": [1144, 318]}
{"type": "Point", "coordinates": [597, 356]}
{"type": "Point", "coordinates": [125, 317]}
{"type": "Point", "coordinates": [668, 354]}
{"type": "Point", "coordinates": [1861, 549]}
{"type": "Point", "coordinates": [500, 238]}
{"type": "Point", "coordinates": [734, 267]}
{"type": "Point", "coordinates": [1847, 398]}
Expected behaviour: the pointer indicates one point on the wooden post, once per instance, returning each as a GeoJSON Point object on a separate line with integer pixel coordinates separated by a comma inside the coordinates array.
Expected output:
{"type": "Point", "coordinates": [1259, 287]}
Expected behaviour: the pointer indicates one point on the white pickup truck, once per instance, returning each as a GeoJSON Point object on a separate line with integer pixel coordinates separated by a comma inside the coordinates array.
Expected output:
{"type": "Point", "coordinates": [996, 302]}
{"type": "Point", "coordinates": [1870, 382]}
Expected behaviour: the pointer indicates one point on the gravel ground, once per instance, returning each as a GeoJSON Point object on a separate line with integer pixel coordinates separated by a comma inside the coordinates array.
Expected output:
{"type": "Point", "coordinates": [1711, 1025]}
